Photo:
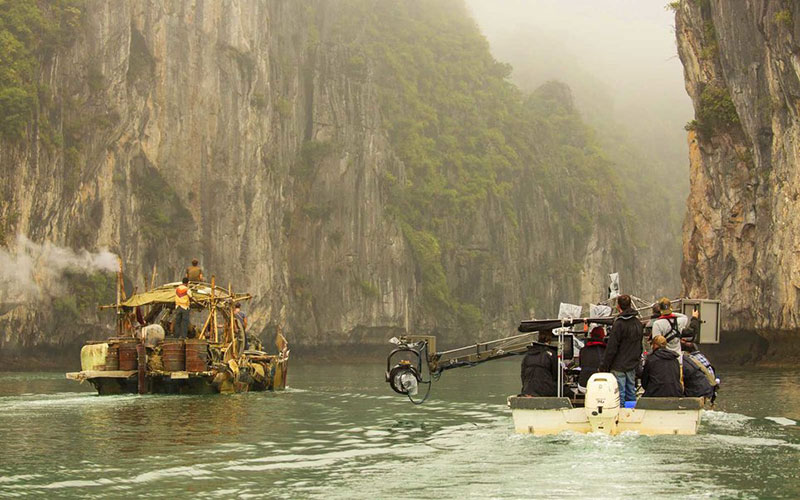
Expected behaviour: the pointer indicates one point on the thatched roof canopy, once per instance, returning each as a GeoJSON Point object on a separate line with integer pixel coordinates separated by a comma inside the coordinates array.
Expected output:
{"type": "Point", "coordinates": [200, 292]}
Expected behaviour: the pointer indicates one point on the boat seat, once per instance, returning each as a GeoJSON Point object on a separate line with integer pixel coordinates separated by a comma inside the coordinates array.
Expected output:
{"type": "Point", "coordinates": [669, 404]}
{"type": "Point", "coordinates": [538, 403]}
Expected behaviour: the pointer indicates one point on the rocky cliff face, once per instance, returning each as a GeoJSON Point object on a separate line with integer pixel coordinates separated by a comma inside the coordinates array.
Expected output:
{"type": "Point", "coordinates": [246, 134]}
{"type": "Point", "coordinates": [742, 69]}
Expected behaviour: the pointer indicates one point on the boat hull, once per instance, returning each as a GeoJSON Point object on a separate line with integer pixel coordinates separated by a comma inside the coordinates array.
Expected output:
{"type": "Point", "coordinates": [110, 382]}
{"type": "Point", "coordinates": [163, 368]}
{"type": "Point", "coordinates": [651, 416]}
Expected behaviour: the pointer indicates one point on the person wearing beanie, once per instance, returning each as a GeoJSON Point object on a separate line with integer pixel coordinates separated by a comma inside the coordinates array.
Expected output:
{"type": "Point", "coordinates": [591, 355]}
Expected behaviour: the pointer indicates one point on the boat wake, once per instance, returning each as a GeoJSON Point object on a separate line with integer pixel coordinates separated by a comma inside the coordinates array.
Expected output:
{"type": "Point", "coordinates": [782, 420]}
{"type": "Point", "coordinates": [28, 402]}
{"type": "Point", "coordinates": [725, 420]}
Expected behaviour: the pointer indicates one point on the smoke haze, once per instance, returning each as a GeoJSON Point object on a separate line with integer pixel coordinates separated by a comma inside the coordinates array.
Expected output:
{"type": "Point", "coordinates": [30, 270]}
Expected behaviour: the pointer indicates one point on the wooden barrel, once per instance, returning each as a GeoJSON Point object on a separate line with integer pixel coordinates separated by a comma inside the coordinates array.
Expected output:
{"type": "Point", "coordinates": [127, 355]}
{"type": "Point", "coordinates": [173, 355]}
{"type": "Point", "coordinates": [196, 355]}
{"type": "Point", "coordinates": [112, 357]}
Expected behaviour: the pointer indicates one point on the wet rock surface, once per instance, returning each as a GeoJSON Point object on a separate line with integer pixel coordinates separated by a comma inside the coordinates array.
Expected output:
{"type": "Point", "coordinates": [239, 133]}
{"type": "Point", "coordinates": [741, 232]}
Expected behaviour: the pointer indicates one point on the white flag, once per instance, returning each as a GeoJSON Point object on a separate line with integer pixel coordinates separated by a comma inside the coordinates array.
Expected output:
{"type": "Point", "coordinates": [569, 311]}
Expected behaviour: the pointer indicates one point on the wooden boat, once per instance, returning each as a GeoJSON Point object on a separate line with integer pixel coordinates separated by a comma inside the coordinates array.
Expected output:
{"type": "Point", "coordinates": [218, 357]}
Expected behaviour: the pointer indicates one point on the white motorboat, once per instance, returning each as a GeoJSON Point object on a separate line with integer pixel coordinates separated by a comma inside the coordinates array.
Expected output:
{"type": "Point", "coordinates": [602, 413]}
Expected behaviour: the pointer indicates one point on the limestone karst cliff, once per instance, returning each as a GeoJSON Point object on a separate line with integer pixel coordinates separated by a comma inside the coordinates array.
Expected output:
{"type": "Point", "coordinates": [362, 167]}
{"type": "Point", "coordinates": [742, 69]}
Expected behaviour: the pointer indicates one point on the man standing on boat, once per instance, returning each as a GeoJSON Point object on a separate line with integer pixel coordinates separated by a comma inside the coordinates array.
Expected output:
{"type": "Point", "coordinates": [624, 349]}
{"type": "Point", "coordinates": [671, 325]}
{"type": "Point", "coordinates": [194, 272]}
{"type": "Point", "coordinates": [242, 317]}
{"type": "Point", "coordinates": [182, 298]}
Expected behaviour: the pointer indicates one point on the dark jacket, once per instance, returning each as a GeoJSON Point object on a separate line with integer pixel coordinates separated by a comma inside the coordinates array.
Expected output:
{"type": "Point", "coordinates": [691, 332]}
{"type": "Point", "coordinates": [590, 358]}
{"type": "Point", "coordinates": [661, 377]}
{"type": "Point", "coordinates": [624, 343]}
{"type": "Point", "coordinates": [539, 371]}
{"type": "Point", "coordinates": [695, 382]}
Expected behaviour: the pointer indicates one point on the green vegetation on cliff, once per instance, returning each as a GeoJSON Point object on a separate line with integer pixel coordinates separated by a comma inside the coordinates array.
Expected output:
{"type": "Point", "coordinates": [466, 135]}
{"type": "Point", "coordinates": [715, 113]}
{"type": "Point", "coordinates": [29, 31]}
{"type": "Point", "coordinates": [84, 293]}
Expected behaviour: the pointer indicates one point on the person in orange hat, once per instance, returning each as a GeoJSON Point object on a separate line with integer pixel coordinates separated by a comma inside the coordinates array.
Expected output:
{"type": "Point", "coordinates": [182, 303]}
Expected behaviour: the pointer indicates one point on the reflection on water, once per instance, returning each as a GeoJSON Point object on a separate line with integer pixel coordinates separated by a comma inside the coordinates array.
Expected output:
{"type": "Point", "coordinates": [340, 432]}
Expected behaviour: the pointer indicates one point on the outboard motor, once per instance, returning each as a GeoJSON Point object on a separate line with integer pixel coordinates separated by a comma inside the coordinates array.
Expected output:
{"type": "Point", "coordinates": [602, 403]}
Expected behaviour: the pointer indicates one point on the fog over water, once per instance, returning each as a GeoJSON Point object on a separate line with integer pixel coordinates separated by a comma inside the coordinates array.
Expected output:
{"type": "Point", "coordinates": [618, 56]}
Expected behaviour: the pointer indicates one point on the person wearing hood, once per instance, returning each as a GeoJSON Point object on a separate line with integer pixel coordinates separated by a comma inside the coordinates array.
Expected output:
{"type": "Point", "coordinates": [661, 377]}
{"type": "Point", "coordinates": [540, 368]}
{"type": "Point", "coordinates": [591, 355]}
{"type": "Point", "coordinates": [624, 348]}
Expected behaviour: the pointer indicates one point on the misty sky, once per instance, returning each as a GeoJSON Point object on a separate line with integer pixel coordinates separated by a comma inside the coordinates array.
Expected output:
{"type": "Point", "coordinates": [619, 56]}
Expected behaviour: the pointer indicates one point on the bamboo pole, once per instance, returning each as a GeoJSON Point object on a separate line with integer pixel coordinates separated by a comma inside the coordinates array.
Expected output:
{"type": "Point", "coordinates": [153, 277]}
{"type": "Point", "coordinates": [205, 326]}
{"type": "Point", "coordinates": [230, 327]}
{"type": "Point", "coordinates": [121, 278]}
{"type": "Point", "coordinates": [233, 319]}
{"type": "Point", "coordinates": [119, 297]}
{"type": "Point", "coordinates": [214, 308]}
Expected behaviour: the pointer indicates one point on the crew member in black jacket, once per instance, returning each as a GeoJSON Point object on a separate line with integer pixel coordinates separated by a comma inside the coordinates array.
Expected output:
{"type": "Point", "coordinates": [624, 349]}
{"type": "Point", "coordinates": [540, 368]}
{"type": "Point", "coordinates": [696, 382]}
{"type": "Point", "coordinates": [591, 355]}
{"type": "Point", "coordinates": [661, 376]}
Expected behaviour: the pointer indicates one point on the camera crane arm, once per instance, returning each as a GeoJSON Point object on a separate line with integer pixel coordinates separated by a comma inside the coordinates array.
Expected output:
{"type": "Point", "coordinates": [416, 354]}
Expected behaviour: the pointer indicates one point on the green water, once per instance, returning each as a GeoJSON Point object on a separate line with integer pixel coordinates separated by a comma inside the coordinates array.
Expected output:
{"type": "Point", "coordinates": [339, 432]}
